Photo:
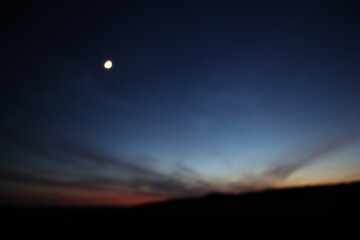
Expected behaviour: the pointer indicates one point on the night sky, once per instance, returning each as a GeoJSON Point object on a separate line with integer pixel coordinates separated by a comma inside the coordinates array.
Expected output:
{"type": "Point", "coordinates": [203, 96]}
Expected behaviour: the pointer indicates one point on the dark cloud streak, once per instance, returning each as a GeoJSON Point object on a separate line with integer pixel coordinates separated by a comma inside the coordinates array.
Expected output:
{"type": "Point", "coordinates": [285, 169]}
{"type": "Point", "coordinates": [280, 171]}
{"type": "Point", "coordinates": [96, 169]}
{"type": "Point", "coordinates": [99, 171]}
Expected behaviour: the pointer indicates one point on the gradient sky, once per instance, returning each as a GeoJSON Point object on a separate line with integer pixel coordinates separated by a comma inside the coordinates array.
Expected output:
{"type": "Point", "coordinates": [203, 96]}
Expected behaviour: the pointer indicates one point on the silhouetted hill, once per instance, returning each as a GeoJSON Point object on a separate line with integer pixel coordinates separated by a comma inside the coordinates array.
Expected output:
{"type": "Point", "coordinates": [317, 197]}
{"type": "Point", "coordinates": [323, 212]}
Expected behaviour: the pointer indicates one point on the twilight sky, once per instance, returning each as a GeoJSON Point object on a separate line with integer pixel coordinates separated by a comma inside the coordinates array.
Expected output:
{"type": "Point", "coordinates": [203, 96]}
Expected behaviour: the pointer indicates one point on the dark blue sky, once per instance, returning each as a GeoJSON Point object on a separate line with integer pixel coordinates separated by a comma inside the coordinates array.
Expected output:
{"type": "Point", "coordinates": [203, 96]}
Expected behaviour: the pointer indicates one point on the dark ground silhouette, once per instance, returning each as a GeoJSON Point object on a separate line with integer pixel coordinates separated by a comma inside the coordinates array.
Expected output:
{"type": "Point", "coordinates": [323, 212]}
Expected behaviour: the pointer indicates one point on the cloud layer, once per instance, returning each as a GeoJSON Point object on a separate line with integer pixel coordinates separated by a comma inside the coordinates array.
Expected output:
{"type": "Point", "coordinates": [70, 165]}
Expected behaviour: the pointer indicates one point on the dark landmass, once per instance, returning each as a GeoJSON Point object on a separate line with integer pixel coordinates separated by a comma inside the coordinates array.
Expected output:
{"type": "Point", "coordinates": [291, 199]}
{"type": "Point", "coordinates": [326, 212]}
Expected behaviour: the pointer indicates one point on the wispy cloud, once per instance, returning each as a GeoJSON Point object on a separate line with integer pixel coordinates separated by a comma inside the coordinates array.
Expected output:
{"type": "Point", "coordinates": [283, 170]}
{"type": "Point", "coordinates": [93, 169]}
{"type": "Point", "coordinates": [280, 171]}
{"type": "Point", "coordinates": [101, 170]}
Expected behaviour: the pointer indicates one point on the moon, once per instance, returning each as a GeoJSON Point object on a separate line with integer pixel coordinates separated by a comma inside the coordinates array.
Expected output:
{"type": "Point", "coordinates": [108, 64]}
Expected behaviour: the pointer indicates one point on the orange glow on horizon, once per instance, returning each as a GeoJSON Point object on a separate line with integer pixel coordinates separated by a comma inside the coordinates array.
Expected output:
{"type": "Point", "coordinates": [42, 195]}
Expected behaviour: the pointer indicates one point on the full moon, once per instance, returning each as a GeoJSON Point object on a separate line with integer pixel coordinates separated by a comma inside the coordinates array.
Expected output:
{"type": "Point", "coordinates": [108, 64]}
